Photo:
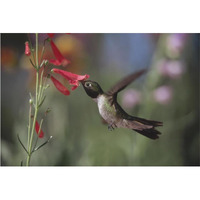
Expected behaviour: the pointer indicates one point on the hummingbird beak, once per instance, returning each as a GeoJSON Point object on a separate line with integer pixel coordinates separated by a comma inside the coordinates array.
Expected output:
{"type": "Point", "coordinates": [82, 82]}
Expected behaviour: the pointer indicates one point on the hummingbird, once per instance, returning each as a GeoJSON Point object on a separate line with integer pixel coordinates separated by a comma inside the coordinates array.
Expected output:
{"type": "Point", "coordinates": [113, 114]}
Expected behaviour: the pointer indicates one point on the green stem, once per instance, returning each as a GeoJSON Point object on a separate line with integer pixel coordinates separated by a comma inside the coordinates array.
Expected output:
{"type": "Point", "coordinates": [29, 126]}
{"type": "Point", "coordinates": [36, 106]}
{"type": "Point", "coordinates": [42, 52]}
{"type": "Point", "coordinates": [41, 86]}
{"type": "Point", "coordinates": [42, 90]}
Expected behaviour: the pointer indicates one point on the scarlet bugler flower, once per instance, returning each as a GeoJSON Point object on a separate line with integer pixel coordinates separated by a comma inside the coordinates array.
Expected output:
{"type": "Point", "coordinates": [27, 49]}
{"type": "Point", "coordinates": [72, 78]}
{"type": "Point", "coordinates": [37, 128]}
{"type": "Point", "coordinates": [60, 59]}
{"type": "Point", "coordinates": [51, 35]}
{"type": "Point", "coordinates": [60, 86]}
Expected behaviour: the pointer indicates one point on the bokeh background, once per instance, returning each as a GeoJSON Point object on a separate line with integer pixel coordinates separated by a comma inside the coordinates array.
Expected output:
{"type": "Point", "coordinates": [169, 92]}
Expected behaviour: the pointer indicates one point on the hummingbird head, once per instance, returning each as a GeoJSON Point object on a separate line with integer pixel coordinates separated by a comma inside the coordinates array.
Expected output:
{"type": "Point", "coordinates": [92, 88]}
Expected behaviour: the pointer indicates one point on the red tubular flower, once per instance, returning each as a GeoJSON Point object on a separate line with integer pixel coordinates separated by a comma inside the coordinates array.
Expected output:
{"type": "Point", "coordinates": [60, 59]}
{"type": "Point", "coordinates": [37, 128]}
{"type": "Point", "coordinates": [72, 78]}
{"type": "Point", "coordinates": [60, 86]}
{"type": "Point", "coordinates": [51, 35]}
{"type": "Point", "coordinates": [27, 49]}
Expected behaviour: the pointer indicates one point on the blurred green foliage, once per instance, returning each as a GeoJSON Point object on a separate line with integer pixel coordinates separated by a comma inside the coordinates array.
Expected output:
{"type": "Point", "coordinates": [80, 138]}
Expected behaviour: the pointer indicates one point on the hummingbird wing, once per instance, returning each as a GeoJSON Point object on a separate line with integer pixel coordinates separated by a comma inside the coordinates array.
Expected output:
{"type": "Point", "coordinates": [124, 82]}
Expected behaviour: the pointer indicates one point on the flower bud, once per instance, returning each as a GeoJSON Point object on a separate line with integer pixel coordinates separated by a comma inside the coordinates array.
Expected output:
{"type": "Point", "coordinates": [30, 101]}
{"type": "Point", "coordinates": [47, 111]}
{"type": "Point", "coordinates": [47, 86]}
{"type": "Point", "coordinates": [46, 62]}
{"type": "Point", "coordinates": [27, 49]}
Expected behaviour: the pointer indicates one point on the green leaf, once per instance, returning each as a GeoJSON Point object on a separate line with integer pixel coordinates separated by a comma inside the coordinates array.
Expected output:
{"type": "Point", "coordinates": [42, 101]}
{"type": "Point", "coordinates": [32, 64]}
{"type": "Point", "coordinates": [42, 144]}
{"type": "Point", "coordinates": [22, 144]}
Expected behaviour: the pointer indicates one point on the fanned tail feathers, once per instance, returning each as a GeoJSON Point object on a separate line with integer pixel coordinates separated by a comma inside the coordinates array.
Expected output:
{"type": "Point", "coordinates": [148, 122]}
{"type": "Point", "coordinates": [151, 133]}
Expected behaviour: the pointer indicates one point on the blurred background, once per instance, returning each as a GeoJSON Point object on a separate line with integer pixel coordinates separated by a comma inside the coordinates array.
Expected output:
{"type": "Point", "coordinates": [169, 92]}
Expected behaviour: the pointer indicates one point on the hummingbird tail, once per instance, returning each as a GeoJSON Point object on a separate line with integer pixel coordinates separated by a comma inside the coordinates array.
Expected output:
{"type": "Point", "coordinates": [148, 122]}
{"type": "Point", "coordinates": [151, 133]}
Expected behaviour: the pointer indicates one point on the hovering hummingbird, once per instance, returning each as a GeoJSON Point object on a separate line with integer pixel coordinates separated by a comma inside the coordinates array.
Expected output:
{"type": "Point", "coordinates": [112, 112]}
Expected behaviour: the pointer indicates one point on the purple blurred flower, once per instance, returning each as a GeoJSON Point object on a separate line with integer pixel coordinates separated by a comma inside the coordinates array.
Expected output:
{"type": "Point", "coordinates": [175, 44]}
{"type": "Point", "coordinates": [163, 94]}
{"type": "Point", "coordinates": [172, 69]}
{"type": "Point", "coordinates": [131, 98]}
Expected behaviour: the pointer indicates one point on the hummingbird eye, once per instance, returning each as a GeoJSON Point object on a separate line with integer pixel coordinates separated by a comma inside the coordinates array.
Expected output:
{"type": "Point", "coordinates": [88, 84]}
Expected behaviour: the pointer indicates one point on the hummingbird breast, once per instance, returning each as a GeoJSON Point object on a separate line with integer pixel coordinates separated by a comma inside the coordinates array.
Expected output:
{"type": "Point", "coordinates": [107, 111]}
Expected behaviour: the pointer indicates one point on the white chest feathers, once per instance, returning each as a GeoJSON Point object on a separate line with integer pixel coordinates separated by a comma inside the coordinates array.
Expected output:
{"type": "Point", "coordinates": [106, 110]}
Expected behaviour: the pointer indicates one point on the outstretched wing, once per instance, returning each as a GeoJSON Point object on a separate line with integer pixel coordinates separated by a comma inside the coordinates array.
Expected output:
{"type": "Point", "coordinates": [124, 82]}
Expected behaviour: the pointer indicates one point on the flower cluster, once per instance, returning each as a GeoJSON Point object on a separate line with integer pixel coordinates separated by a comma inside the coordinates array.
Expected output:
{"type": "Point", "coordinates": [172, 69]}
{"type": "Point", "coordinates": [59, 60]}
{"type": "Point", "coordinates": [171, 66]}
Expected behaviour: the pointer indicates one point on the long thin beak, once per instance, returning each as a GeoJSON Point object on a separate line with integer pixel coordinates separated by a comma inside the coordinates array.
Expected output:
{"type": "Point", "coordinates": [82, 82]}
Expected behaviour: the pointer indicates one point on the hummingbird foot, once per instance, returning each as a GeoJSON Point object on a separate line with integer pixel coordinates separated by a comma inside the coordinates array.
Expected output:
{"type": "Point", "coordinates": [111, 127]}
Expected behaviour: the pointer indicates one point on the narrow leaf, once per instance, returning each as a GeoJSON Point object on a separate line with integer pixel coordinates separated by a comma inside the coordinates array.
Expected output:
{"type": "Point", "coordinates": [42, 63]}
{"type": "Point", "coordinates": [33, 64]}
{"type": "Point", "coordinates": [22, 144]}
{"type": "Point", "coordinates": [43, 144]}
{"type": "Point", "coordinates": [42, 101]}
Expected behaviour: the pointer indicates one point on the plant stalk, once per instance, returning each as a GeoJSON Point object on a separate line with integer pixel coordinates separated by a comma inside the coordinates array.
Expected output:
{"type": "Point", "coordinates": [36, 105]}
